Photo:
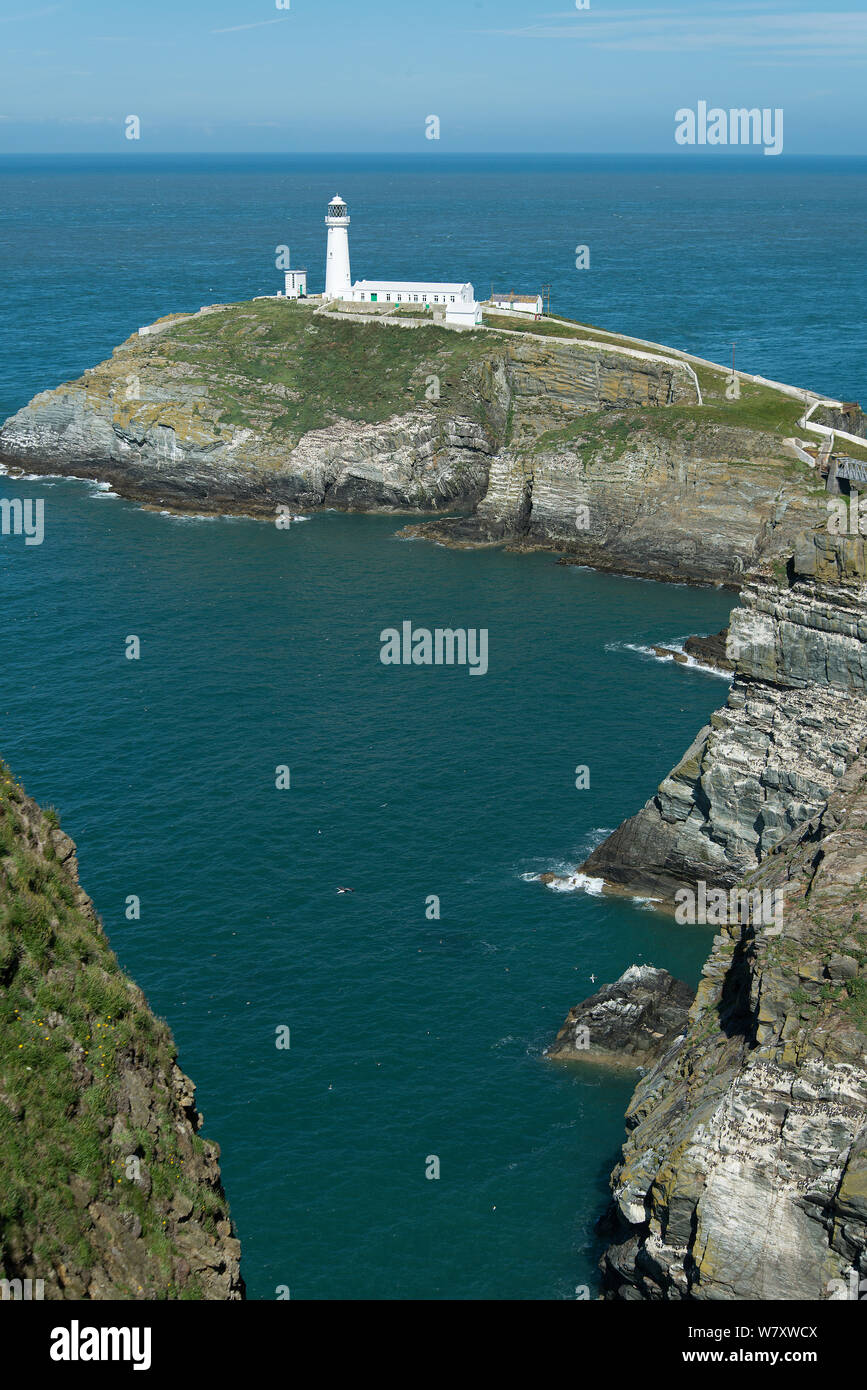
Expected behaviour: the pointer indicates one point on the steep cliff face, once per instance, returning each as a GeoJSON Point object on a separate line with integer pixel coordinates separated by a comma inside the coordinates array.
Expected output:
{"type": "Point", "coordinates": [245, 406]}
{"type": "Point", "coordinates": [565, 439]}
{"type": "Point", "coordinates": [248, 405]}
{"type": "Point", "coordinates": [745, 1172]}
{"type": "Point", "coordinates": [671, 494]}
{"type": "Point", "coordinates": [794, 720]}
{"type": "Point", "coordinates": [107, 1191]}
{"type": "Point", "coordinates": [744, 1175]}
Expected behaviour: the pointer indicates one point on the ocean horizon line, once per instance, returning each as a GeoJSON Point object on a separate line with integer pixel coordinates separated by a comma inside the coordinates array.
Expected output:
{"type": "Point", "coordinates": [685, 158]}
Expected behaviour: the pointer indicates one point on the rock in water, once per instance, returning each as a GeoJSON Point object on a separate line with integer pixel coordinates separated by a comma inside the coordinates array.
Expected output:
{"type": "Point", "coordinates": [635, 1019]}
{"type": "Point", "coordinates": [710, 651]}
{"type": "Point", "coordinates": [671, 653]}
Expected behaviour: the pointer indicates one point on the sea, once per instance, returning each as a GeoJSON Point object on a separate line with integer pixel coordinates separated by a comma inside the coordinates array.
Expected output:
{"type": "Point", "coordinates": [411, 1141]}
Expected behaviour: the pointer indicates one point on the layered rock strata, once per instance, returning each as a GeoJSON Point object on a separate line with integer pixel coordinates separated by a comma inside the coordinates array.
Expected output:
{"type": "Point", "coordinates": [591, 447]}
{"type": "Point", "coordinates": [794, 720]}
{"type": "Point", "coordinates": [666, 497]}
{"type": "Point", "coordinates": [632, 1021]}
{"type": "Point", "coordinates": [744, 1175]}
{"type": "Point", "coordinates": [250, 405]}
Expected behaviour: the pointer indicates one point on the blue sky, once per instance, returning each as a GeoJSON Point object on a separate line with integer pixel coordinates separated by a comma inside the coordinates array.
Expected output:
{"type": "Point", "coordinates": [362, 75]}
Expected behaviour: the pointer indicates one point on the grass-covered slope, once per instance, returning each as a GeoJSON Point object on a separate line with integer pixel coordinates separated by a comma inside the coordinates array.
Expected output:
{"type": "Point", "coordinates": [276, 366]}
{"type": "Point", "coordinates": [106, 1189]}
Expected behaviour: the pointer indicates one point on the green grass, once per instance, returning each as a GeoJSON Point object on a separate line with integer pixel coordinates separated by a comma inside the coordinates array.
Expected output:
{"type": "Point", "coordinates": [325, 370]}
{"type": "Point", "coordinates": [556, 326]}
{"type": "Point", "coordinates": [60, 1080]}
{"type": "Point", "coordinates": [760, 410]}
{"type": "Point", "coordinates": [282, 370]}
{"type": "Point", "coordinates": [856, 1002]}
{"type": "Point", "coordinates": [758, 407]}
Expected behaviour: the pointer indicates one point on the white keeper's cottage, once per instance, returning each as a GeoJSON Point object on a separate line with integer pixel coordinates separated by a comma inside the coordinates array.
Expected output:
{"type": "Point", "coordinates": [459, 301]}
{"type": "Point", "coordinates": [512, 303]}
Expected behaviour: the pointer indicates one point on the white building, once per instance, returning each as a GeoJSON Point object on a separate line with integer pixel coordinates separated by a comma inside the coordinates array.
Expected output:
{"type": "Point", "coordinates": [296, 284]}
{"type": "Point", "coordinates": [512, 303]}
{"type": "Point", "coordinates": [457, 301]}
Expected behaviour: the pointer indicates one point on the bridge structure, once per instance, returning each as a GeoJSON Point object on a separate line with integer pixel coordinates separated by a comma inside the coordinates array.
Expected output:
{"type": "Point", "coordinates": [840, 467]}
{"type": "Point", "coordinates": [853, 469]}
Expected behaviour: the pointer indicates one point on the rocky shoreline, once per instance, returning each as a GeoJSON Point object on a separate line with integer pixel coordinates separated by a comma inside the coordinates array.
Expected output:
{"type": "Point", "coordinates": [794, 720]}
{"type": "Point", "coordinates": [631, 1022]}
{"type": "Point", "coordinates": [744, 1175]}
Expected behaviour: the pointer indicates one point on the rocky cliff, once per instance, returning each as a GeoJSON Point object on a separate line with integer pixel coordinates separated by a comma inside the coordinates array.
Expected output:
{"type": "Point", "coordinates": [745, 1172]}
{"type": "Point", "coordinates": [107, 1190]}
{"type": "Point", "coordinates": [662, 494]}
{"type": "Point", "coordinates": [744, 1175]}
{"type": "Point", "coordinates": [250, 405]}
{"type": "Point", "coordinates": [595, 446]}
{"type": "Point", "coordinates": [795, 718]}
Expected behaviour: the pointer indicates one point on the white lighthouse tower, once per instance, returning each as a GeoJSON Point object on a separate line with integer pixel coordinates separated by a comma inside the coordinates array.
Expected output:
{"type": "Point", "coordinates": [337, 279]}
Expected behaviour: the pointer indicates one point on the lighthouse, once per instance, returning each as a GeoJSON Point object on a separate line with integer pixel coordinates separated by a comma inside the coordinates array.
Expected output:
{"type": "Point", "coordinates": [338, 284]}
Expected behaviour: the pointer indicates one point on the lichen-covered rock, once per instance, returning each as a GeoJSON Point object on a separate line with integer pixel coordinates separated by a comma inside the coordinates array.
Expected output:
{"type": "Point", "coordinates": [794, 720]}
{"type": "Point", "coordinates": [634, 1020]}
{"type": "Point", "coordinates": [745, 1172]}
{"type": "Point", "coordinates": [107, 1190]}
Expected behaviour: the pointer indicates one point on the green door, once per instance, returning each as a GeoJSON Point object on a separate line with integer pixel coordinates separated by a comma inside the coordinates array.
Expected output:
{"type": "Point", "coordinates": [373, 299]}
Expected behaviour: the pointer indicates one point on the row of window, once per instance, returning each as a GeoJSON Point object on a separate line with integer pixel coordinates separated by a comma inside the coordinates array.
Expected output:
{"type": "Point", "coordinates": [414, 298]}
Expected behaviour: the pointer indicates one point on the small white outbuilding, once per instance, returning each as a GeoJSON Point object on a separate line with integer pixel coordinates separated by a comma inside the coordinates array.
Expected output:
{"type": "Point", "coordinates": [511, 303]}
{"type": "Point", "coordinates": [296, 284]}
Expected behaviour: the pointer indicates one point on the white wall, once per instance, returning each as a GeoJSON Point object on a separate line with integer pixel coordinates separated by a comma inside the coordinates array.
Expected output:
{"type": "Point", "coordinates": [507, 308]}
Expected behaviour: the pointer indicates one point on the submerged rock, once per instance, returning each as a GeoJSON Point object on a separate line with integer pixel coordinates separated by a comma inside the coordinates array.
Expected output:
{"type": "Point", "coordinates": [710, 651]}
{"type": "Point", "coordinates": [672, 653]}
{"type": "Point", "coordinates": [635, 1019]}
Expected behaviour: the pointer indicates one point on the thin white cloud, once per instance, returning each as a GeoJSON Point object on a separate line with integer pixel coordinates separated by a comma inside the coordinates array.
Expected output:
{"type": "Point", "coordinates": [260, 24]}
{"type": "Point", "coordinates": [32, 14]}
{"type": "Point", "coordinates": [134, 38]}
{"type": "Point", "coordinates": [785, 34]}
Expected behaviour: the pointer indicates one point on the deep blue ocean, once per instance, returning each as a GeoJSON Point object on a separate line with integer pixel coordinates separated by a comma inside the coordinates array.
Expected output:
{"type": "Point", "coordinates": [409, 1037]}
